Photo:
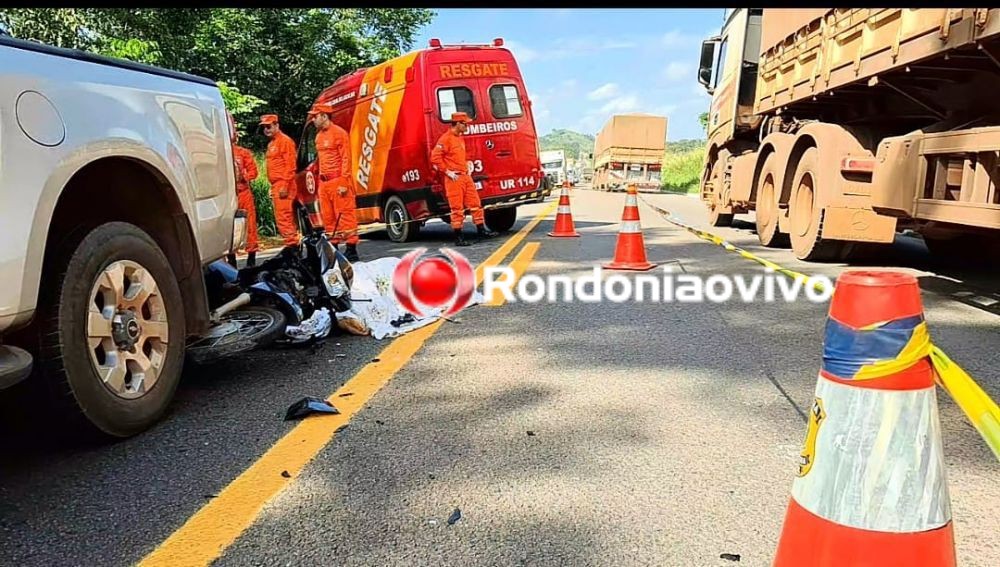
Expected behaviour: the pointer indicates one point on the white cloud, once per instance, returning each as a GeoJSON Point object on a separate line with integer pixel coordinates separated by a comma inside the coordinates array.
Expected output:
{"type": "Point", "coordinates": [607, 90]}
{"type": "Point", "coordinates": [619, 44]}
{"type": "Point", "coordinates": [679, 71]}
{"type": "Point", "coordinates": [522, 53]}
{"type": "Point", "coordinates": [625, 103]}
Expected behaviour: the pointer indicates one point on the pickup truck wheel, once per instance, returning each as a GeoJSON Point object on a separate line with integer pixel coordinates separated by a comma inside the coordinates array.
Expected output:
{"type": "Point", "coordinates": [398, 223]}
{"type": "Point", "coordinates": [766, 208]}
{"type": "Point", "coordinates": [806, 212]}
{"type": "Point", "coordinates": [501, 220]}
{"type": "Point", "coordinates": [112, 332]}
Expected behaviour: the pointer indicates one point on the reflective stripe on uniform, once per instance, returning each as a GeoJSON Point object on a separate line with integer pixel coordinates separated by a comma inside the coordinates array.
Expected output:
{"type": "Point", "coordinates": [631, 226]}
{"type": "Point", "coordinates": [876, 460]}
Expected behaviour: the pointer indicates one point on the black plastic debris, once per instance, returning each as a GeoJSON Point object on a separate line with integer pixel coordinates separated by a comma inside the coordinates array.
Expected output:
{"type": "Point", "coordinates": [430, 476]}
{"type": "Point", "coordinates": [454, 517]}
{"type": "Point", "coordinates": [307, 406]}
{"type": "Point", "coordinates": [730, 556]}
{"type": "Point", "coordinates": [346, 395]}
{"type": "Point", "coordinates": [376, 360]}
{"type": "Point", "coordinates": [408, 318]}
{"type": "Point", "coordinates": [284, 474]}
{"type": "Point", "coordinates": [531, 433]}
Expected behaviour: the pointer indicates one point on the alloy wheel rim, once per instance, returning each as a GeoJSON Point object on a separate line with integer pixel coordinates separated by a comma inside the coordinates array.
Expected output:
{"type": "Point", "coordinates": [127, 329]}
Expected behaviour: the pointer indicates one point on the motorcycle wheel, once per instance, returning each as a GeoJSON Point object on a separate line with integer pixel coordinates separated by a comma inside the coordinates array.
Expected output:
{"type": "Point", "coordinates": [240, 330]}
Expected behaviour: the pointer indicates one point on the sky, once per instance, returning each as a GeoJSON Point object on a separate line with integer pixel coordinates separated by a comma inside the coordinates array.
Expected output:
{"type": "Point", "coordinates": [580, 66]}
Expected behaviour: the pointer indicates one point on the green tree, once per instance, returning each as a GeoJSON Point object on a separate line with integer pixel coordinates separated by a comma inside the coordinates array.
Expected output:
{"type": "Point", "coordinates": [284, 57]}
{"type": "Point", "coordinates": [568, 140]}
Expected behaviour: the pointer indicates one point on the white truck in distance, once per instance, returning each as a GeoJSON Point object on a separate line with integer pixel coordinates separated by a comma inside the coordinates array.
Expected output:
{"type": "Point", "coordinates": [116, 189]}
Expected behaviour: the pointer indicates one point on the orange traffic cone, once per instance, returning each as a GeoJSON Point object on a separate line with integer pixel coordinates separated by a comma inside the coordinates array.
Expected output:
{"type": "Point", "coordinates": [630, 251]}
{"type": "Point", "coordinates": [871, 487]}
{"type": "Point", "coordinates": [564, 218]}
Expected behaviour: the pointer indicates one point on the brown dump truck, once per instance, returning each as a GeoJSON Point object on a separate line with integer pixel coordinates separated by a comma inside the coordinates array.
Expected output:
{"type": "Point", "coordinates": [840, 126]}
{"type": "Point", "coordinates": [629, 149]}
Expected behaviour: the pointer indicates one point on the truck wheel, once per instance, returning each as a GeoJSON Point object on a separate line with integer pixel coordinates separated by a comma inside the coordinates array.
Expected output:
{"type": "Point", "coordinates": [766, 208]}
{"type": "Point", "coordinates": [112, 331]}
{"type": "Point", "coordinates": [806, 212]}
{"type": "Point", "coordinates": [715, 215]}
{"type": "Point", "coordinates": [398, 223]}
{"type": "Point", "coordinates": [501, 220]}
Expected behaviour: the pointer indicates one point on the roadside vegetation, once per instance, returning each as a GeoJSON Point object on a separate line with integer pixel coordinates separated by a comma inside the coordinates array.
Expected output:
{"type": "Point", "coordinates": [682, 163]}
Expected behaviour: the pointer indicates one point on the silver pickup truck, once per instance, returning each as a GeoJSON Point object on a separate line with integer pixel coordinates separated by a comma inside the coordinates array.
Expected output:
{"type": "Point", "coordinates": [116, 190]}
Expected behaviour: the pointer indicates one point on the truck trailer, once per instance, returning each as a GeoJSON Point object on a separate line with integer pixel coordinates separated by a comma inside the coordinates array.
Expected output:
{"type": "Point", "coordinates": [629, 150]}
{"type": "Point", "coordinates": [840, 126]}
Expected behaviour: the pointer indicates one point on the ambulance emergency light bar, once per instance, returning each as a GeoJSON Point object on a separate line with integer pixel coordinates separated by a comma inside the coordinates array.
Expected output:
{"type": "Point", "coordinates": [436, 43]}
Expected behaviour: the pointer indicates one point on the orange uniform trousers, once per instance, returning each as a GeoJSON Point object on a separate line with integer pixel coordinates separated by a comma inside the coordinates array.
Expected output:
{"type": "Point", "coordinates": [339, 211]}
{"type": "Point", "coordinates": [284, 212]}
{"type": "Point", "coordinates": [462, 195]}
{"type": "Point", "coordinates": [245, 199]}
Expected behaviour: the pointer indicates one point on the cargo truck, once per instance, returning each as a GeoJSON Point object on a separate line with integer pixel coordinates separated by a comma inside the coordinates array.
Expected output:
{"type": "Point", "coordinates": [840, 126]}
{"type": "Point", "coordinates": [629, 150]}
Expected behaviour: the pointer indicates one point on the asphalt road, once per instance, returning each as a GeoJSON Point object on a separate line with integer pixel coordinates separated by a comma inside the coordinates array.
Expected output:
{"type": "Point", "coordinates": [634, 433]}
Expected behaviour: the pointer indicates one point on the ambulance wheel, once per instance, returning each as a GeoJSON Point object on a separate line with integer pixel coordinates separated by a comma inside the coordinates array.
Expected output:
{"type": "Point", "coordinates": [501, 220]}
{"type": "Point", "coordinates": [398, 223]}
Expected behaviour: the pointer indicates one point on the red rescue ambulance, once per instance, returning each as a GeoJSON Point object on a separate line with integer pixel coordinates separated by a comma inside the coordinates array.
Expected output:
{"type": "Point", "coordinates": [395, 112]}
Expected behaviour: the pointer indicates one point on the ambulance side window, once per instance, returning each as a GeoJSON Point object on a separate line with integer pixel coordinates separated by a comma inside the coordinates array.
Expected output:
{"type": "Point", "coordinates": [505, 101]}
{"type": "Point", "coordinates": [307, 149]}
{"type": "Point", "coordinates": [455, 99]}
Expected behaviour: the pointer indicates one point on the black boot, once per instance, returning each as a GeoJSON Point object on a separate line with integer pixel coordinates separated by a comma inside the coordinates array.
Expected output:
{"type": "Point", "coordinates": [484, 232]}
{"type": "Point", "coordinates": [251, 259]}
{"type": "Point", "coordinates": [231, 260]}
{"type": "Point", "coordinates": [351, 253]}
{"type": "Point", "coordinates": [459, 239]}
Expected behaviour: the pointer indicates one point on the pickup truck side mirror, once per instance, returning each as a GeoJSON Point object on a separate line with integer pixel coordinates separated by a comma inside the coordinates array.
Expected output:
{"type": "Point", "coordinates": [708, 48]}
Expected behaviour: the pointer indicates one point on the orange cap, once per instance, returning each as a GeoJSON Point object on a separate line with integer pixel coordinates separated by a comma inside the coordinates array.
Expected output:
{"type": "Point", "coordinates": [460, 117]}
{"type": "Point", "coordinates": [269, 119]}
{"type": "Point", "coordinates": [320, 109]}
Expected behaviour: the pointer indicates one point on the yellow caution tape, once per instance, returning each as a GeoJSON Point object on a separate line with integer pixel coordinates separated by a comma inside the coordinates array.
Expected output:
{"type": "Point", "coordinates": [982, 411]}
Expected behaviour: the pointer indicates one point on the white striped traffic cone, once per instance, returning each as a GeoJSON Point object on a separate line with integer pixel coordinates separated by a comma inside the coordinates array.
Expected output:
{"type": "Point", "coordinates": [630, 251]}
{"type": "Point", "coordinates": [564, 218]}
{"type": "Point", "coordinates": [871, 487]}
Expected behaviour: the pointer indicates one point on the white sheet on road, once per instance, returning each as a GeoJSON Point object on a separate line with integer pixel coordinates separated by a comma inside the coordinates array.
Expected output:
{"type": "Point", "coordinates": [373, 280]}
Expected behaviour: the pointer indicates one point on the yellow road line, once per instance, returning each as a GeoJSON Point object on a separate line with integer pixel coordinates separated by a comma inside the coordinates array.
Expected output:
{"type": "Point", "coordinates": [512, 243]}
{"type": "Point", "coordinates": [207, 534]}
{"type": "Point", "coordinates": [519, 264]}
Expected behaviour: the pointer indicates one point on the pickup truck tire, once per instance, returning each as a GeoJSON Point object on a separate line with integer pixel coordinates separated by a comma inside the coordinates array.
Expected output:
{"type": "Point", "coordinates": [501, 220]}
{"type": "Point", "coordinates": [79, 311]}
{"type": "Point", "coordinates": [399, 224]}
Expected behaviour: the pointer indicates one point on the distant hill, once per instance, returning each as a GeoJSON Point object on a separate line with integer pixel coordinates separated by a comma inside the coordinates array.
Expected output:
{"type": "Point", "coordinates": [572, 142]}
{"type": "Point", "coordinates": [681, 146]}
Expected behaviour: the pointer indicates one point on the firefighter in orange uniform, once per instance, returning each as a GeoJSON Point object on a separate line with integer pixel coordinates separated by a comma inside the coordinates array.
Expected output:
{"type": "Point", "coordinates": [448, 156]}
{"type": "Point", "coordinates": [336, 186]}
{"type": "Point", "coordinates": [281, 158]}
{"type": "Point", "coordinates": [246, 171]}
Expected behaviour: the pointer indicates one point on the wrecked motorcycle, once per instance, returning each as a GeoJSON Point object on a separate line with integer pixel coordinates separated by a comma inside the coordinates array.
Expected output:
{"type": "Point", "coordinates": [301, 289]}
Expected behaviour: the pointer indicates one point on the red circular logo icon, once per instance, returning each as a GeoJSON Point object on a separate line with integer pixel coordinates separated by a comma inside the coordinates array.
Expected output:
{"type": "Point", "coordinates": [433, 282]}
